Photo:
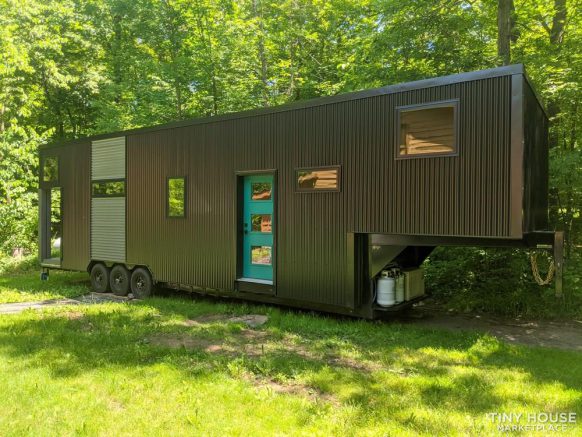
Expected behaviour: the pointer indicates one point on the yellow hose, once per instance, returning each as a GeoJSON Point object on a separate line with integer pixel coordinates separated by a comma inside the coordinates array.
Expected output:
{"type": "Point", "coordinates": [536, 272]}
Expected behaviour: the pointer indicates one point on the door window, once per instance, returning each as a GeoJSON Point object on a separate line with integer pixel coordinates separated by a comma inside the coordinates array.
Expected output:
{"type": "Point", "coordinates": [261, 223]}
{"type": "Point", "coordinates": [261, 255]}
{"type": "Point", "coordinates": [261, 191]}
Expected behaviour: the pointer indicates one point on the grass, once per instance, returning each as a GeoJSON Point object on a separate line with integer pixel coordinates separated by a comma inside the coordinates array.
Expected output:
{"type": "Point", "coordinates": [20, 282]}
{"type": "Point", "coordinates": [114, 369]}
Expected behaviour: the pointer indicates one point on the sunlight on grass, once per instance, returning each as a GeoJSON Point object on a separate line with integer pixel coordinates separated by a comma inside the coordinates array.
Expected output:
{"type": "Point", "coordinates": [23, 288]}
{"type": "Point", "coordinates": [151, 368]}
{"type": "Point", "coordinates": [20, 282]}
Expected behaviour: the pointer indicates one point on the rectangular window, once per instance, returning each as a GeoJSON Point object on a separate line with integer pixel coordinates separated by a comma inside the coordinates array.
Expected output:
{"type": "Point", "coordinates": [261, 223]}
{"type": "Point", "coordinates": [109, 188]}
{"type": "Point", "coordinates": [427, 130]}
{"type": "Point", "coordinates": [317, 179]}
{"type": "Point", "coordinates": [176, 196]}
{"type": "Point", "coordinates": [50, 169]}
{"type": "Point", "coordinates": [261, 191]}
{"type": "Point", "coordinates": [261, 255]}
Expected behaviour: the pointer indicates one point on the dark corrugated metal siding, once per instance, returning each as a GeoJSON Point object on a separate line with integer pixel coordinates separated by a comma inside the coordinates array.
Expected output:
{"type": "Point", "coordinates": [465, 195]}
{"type": "Point", "coordinates": [536, 162]}
{"type": "Point", "coordinates": [74, 180]}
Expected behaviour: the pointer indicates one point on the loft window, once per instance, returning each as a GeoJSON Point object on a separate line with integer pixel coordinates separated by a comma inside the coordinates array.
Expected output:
{"type": "Point", "coordinates": [50, 169]}
{"type": "Point", "coordinates": [108, 188]}
{"type": "Point", "coordinates": [176, 197]}
{"type": "Point", "coordinates": [427, 129]}
{"type": "Point", "coordinates": [317, 179]}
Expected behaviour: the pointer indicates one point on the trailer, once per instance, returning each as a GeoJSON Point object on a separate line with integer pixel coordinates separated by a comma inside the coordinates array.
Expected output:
{"type": "Point", "coordinates": [305, 204]}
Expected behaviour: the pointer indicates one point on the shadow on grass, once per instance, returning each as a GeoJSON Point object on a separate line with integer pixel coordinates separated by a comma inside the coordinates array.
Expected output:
{"type": "Point", "coordinates": [364, 364]}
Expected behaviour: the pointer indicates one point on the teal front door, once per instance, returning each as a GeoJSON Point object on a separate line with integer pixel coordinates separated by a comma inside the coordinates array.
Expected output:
{"type": "Point", "coordinates": [258, 227]}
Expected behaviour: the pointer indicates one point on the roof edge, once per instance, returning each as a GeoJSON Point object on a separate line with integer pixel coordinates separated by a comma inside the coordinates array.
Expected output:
{"type": "Point", "coordinates": [505, 70]}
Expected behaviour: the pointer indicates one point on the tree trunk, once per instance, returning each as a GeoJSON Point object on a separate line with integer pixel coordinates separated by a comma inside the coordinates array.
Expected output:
{"type": "Point", "coordinates": [205, 36]}
{"type": "Point", "coordinates": [506, 29]}
{"type": "Point", "coordinates": [557, 31]}
{"type": "Point", "coordinates": [263, 74]}
{"type": "Point", "coordinates": [117, 57]}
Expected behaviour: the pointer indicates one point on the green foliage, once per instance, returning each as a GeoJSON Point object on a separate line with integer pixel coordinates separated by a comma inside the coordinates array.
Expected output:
{"type": "Point", "coordinates": [18, 182]}
{"type": "Point", "coordinates": [499, 281]}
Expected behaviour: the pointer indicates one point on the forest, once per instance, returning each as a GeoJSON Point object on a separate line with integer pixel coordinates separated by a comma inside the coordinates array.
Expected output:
{"type": "Point", "coordinates": [72, 68]}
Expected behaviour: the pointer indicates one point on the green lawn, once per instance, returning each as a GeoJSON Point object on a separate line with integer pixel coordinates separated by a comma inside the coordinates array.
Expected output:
{"type": "Point", "coordinates": [114, 369]}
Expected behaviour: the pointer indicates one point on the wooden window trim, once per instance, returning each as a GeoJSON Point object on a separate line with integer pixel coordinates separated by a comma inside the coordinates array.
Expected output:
{"type": "Point", "coordinates": [451, 103]}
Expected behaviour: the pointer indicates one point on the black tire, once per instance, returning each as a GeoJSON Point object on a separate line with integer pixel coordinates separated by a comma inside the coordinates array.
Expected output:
{"type": "Point", "coordinates": [142, 285]}
{"type": "Point", "coordinates": [119, 280]}
{"type": "Point", "coordinates": [100, 278]}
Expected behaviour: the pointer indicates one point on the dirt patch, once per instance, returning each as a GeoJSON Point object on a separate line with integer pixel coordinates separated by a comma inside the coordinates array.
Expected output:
{"type": "Point", "coordinates": [296, 389]}
{"type": "Point", "coordinates": [205, 319]}
{"type": "Point", "coordinates": [254, 344]}
{"type": "Point", "coordinates": [560, 335]}
{"type": "Point", "coordinates": [248, 341]}
{"type": "Point", "coordinates": [251, 320]}
{"type": "Point", "coordinates": [72, 315]}
{"type": "Point", "coordinates": [184, 341]}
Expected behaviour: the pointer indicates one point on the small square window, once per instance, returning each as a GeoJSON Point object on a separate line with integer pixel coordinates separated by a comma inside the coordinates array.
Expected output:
{"type": "Point", "coordinates": [317, 179]}
{"type": "Point", "coordinates": [261, 191]}
{"type": "Point", "coordinates": [176, 197]}
{"type": "Point", "coordinates": [261, 223]}
{"type": "Point", "coordinates": [50, 169]}
{"type": "Point", "coordinates": [426, 130]}
{"type": "Point", "coordinates": [261, 255]}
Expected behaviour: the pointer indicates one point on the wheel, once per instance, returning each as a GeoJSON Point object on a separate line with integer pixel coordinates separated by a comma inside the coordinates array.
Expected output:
{"type": "Point", "coordinates": [142, 285]}
{"type": "Point", "coordinates": [119, 280]}
{"type": "Point", "coordinates": [100, 278]}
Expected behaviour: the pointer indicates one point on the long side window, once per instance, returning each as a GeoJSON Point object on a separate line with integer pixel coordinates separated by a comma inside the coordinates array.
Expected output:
{"type": "Point", "coordinates": [317, 179]}
{"type": "Point", "coordinates": [108, 188]}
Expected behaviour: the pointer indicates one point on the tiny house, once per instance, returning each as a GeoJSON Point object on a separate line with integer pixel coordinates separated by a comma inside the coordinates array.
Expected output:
{"type": "Point", "coordinates": [306, 204]}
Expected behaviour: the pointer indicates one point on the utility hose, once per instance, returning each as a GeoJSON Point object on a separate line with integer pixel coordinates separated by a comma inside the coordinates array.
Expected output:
{"type": "Point", "coordinates": [536, 272]}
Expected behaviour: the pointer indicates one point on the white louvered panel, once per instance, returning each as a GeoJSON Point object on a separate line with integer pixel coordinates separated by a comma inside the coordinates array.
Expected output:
{"type": "Point", "coordinates": [108, 229]}
{"type": "Point", "coordinates": [108, 159]}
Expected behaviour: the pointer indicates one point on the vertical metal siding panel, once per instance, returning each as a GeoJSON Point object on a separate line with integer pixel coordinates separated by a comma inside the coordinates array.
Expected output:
{"type": "Point", "coordinates": [462, 195]}
{"type": "Point", "coordinates": [535, 203]}
{"type": "Point", "coordinates": [75, 184]}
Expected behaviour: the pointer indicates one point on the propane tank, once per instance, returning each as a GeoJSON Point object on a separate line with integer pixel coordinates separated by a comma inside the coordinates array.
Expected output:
{"type": "Point", "coordinates": [399, 287]}
{"type": "Point", "coordinates": [385, 289]}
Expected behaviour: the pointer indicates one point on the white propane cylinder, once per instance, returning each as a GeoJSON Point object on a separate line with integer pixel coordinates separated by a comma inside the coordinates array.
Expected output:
{"type": "Point", "coordinates": [386, 295]}
{"type": "Point", "coordinates": [400, 288]}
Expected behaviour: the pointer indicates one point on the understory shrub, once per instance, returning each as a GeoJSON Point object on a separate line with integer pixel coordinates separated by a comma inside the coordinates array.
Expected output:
{"type": "Point", "coordinates": [500, 281]}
